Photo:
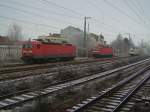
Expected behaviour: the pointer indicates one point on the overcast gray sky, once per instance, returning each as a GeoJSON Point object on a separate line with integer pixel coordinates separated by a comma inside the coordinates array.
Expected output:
{"type": "Point", "coordinates": [109, 17]}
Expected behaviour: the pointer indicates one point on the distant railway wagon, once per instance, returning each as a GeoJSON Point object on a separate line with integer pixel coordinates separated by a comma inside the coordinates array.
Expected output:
{"type": "Point", "coordinates": [102, 52]}
{"type": "Point", "coordinates": [37, 50]}
{"type": "Point", "coordinates": [134, 51]}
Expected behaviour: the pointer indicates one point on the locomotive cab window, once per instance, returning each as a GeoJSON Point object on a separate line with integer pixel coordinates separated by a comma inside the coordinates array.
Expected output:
{"type": "Point", "coordinates": [64, 42]}
{"type": "Point", "coordinates": [27, 45]}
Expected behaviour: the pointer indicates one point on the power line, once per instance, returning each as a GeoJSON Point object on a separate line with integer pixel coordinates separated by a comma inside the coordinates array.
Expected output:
{"type": "Point", "coordinates": [109, 26]}
{"type": "Point", "coordinates": [52, 3]}
{"type": "Point", "coordinates": [123, 12]}
{"type": "Point", "coordinates": [139, 8]}
{"type": "Point", "coordinates": [21, 11]}
{"type": "Point", "coordinates": [138, 2]}
{"type": "Point", "coordinates": [49, 11]}
{"type": "Point", "coordinates": [78, 12]}
{"type": "Point", "coordinates": [136, 6]}
{"type": "Point", "coordinates": [119, 10]}
{"type": "Point", "coordinates": [139, 16]}
{"type": "Point", "coordinates": [131, 8]}
{"type": "Point", "coordinates": [97, 7]}
{"type": "Point", "coordinates": [35, 14]}
{"type": "Point", "coordinates": [28, 28]}
{"type": "Point", "coordinates": [29, 22]}
{"type": "Point", "coordinates": [68, 9]}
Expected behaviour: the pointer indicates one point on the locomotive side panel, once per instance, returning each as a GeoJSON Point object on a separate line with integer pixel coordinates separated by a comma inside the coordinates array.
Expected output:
{"type": "Point", "coordinates": [40, 51]}
{"type": "Point", "coordinates": [106, 51]}
{"type": "Point", "coordinates": [57, 50]}
{"type": "Point", "coordinates": [103, 53]}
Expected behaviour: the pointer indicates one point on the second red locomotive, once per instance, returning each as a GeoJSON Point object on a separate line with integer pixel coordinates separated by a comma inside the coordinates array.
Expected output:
{"type": "Point", "coordinates": [102, 51]}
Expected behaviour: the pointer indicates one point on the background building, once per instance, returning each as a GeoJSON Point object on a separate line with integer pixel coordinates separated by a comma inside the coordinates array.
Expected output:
{"type": "Point", "coordinates": [4, 40]}
{"type": "Point", "coordinates": [76, 37]}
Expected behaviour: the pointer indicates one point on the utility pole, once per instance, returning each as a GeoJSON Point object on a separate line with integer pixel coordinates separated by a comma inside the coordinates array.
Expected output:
{"type": "Point", "coordinates": [84, 40]}
{"type": "Point", "coordinates": [85, 36]}
{"type": "Point", "coordinates": [87, 49]}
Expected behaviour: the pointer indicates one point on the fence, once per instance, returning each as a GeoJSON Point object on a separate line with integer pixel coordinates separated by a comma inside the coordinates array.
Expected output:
{"type": "Point", "coordinates": [10, 52]}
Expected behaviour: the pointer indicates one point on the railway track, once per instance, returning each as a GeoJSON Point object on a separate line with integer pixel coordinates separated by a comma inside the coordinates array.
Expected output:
{"type": "Point", "coordinates": [50, 75]}
{"type": "Point", "coordinates": [13, 64]}
{"type": "Point", "coordinates": [22, 84]}
{"type": "Point", "coordinates": [114, 98]}
{"type": "Point", "coordinates": [29, 96]}
{"type": "Point", "coordinates": [10, 74]}
{"type": "Point", "coordinates": [51, 71]}
{"type": "Point", "coordinates": [140, 102]}
{"type": "Point", "coordinates": [48, 65]}
{"type": "Point", "coordinates": [13, 69]}
{"type": "Point", "coordinates": [51, 79]}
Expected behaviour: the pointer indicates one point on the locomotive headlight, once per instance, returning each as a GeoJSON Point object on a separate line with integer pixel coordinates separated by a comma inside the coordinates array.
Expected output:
{"type": "Point", "coordinates": [27, 52]}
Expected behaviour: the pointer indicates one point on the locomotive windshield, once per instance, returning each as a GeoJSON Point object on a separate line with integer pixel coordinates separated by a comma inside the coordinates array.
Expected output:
{"type": "Point", "coordinates": [27, 45]}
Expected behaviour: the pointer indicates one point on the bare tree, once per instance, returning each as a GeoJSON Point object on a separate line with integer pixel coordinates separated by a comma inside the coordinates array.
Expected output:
{"type": "Point", "coordinates": [118, 42]}
{"type": "Point", "coordinates": [122, 45]}
{"type": "Point", "coordinates": [15, 33]}
{"type": "Point", "coordinates": [144, 48]}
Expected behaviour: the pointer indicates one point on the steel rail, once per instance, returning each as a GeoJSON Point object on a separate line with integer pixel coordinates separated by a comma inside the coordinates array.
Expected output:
{"type": "Point", "coordinates": [41, 66]}
{"type": "Point", "coordinates": [77, 61]}
{"type": "Point", "coordinates": [108, 92]}
{"type": "Point", "coordinates": [6, 103]}
{"type": "Point", "coordinates": [60, 82]}
{"type": "Point", "coordinates": [131, 93]}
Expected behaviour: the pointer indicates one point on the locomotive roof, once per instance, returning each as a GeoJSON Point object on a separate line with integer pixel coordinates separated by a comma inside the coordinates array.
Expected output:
{"type": "Point", "coordinates": [51, 39]}
{"type": "Point", "coordinates": [32, 41]}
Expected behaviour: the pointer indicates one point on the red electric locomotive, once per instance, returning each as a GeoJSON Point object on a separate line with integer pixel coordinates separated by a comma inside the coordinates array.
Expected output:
{"type": "Point", "coordinates": [46, 49]}
{"type": "Point", "coordinates": [102, 51]}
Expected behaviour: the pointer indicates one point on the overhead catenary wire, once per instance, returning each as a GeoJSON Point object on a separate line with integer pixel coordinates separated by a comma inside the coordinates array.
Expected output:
{"type": "Point", "coordinates": [35, 14]}
{"type": "Point", "coordinates": [138, 2]}
{"type": "Point", "coordinates": [68, 9]}
{"type": "Point", "coordinates": [103, 23]}
{"type": "Point", "coordinates": [136, 5]}
{"type": "Point", "coordinates": [135, 12]}
{"type": "Point", "coordinates": [124, 13]}
{"type": "Point", "coordinates": [77, 13]}
{"type": "Point", "coordinates": [99, 9]}
{"type": "Point", "coordinates": [139, 7]}
{"type": "Point", "coordinates": [23, 20]}
{"type": "Point", "coordinates": [96, 6]}
{"type": "Point", "coordinates": [142, 18]}
{"type": "Point", "coordinates": [27, 28]}
{"type": "Point", "coordinates": [132, 20]}
{"type": "Point", "coordinates": [110, 26]}
{"type": "Point", "coordinates": [32, 13]}
{"type": "Point", "coordinates": [29, 22]}
{"type": "Point", "coordinates": [45, 10]}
